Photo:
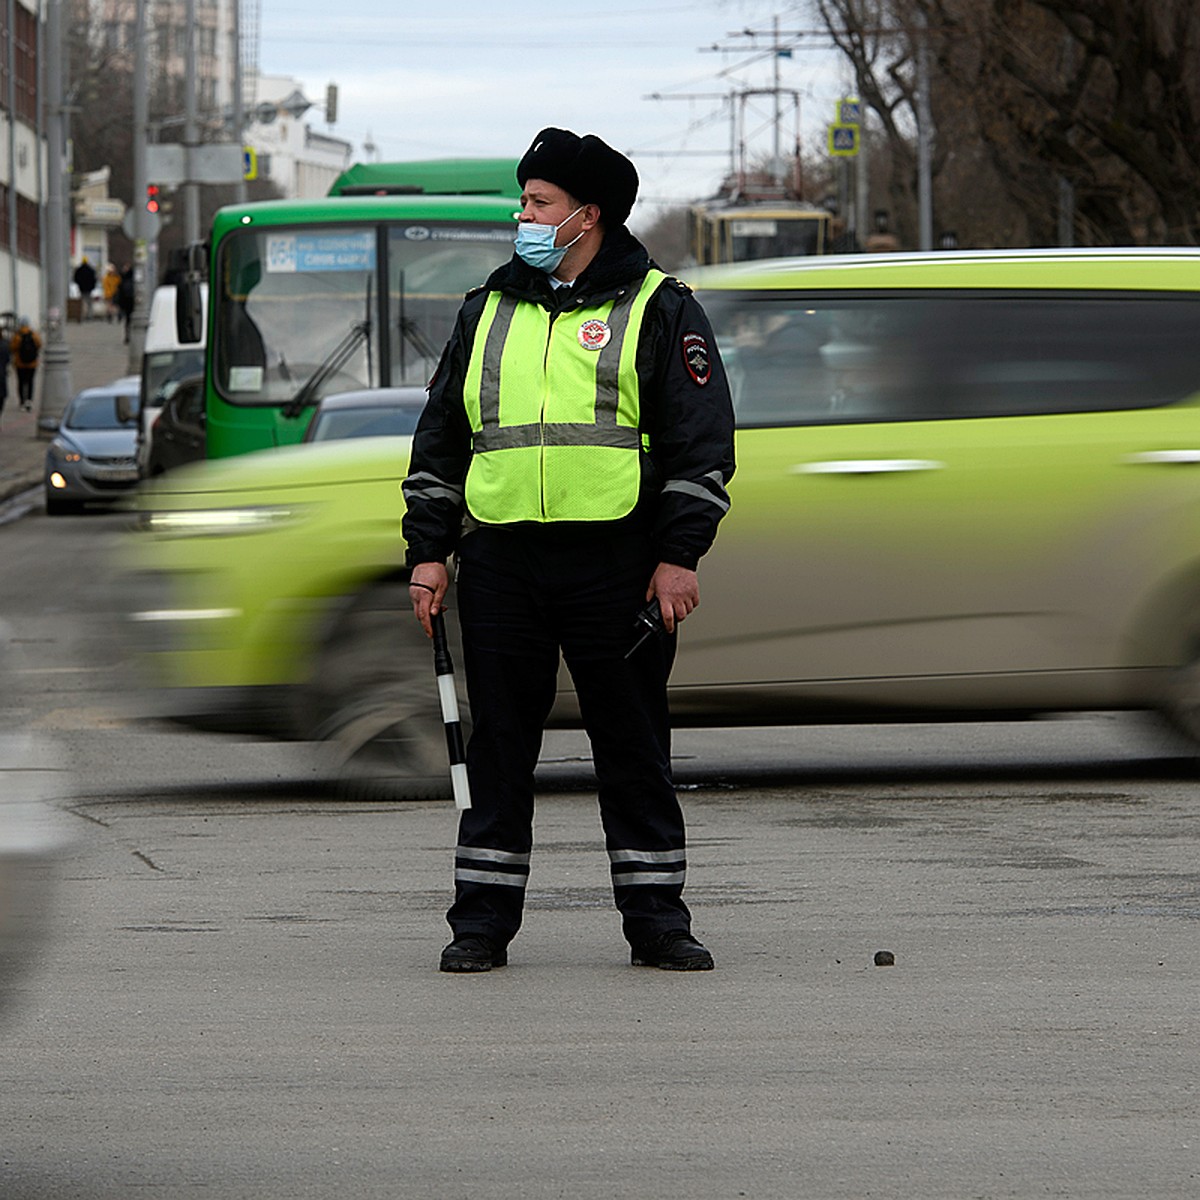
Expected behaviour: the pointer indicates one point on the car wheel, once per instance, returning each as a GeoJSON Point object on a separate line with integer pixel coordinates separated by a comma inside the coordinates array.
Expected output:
{"type": "Point", "coordinates": [380, 714]}
{"type": "Point", "coordinates": [1181, 702]}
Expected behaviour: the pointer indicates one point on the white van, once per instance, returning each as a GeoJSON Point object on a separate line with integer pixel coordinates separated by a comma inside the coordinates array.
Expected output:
{"type": "Point", "coordinates": [166, 363]}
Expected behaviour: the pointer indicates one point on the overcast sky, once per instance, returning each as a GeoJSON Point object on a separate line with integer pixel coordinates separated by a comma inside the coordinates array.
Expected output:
{"type": "Point", "coordinates": [480, 78]}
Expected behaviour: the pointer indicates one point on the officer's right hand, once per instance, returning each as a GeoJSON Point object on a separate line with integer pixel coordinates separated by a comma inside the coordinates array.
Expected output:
{"type": "Point", "coordinates": [426, 589]}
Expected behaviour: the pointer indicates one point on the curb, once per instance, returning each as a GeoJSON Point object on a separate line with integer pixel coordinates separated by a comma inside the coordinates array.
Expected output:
{"type": "Point", "coordinates": [17, 484]}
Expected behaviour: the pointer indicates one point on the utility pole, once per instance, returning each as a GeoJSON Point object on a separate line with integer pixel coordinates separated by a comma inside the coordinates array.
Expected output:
{"type": "Point", "coordinates": [56, 356]}
{"type": "Point", "coordinates": [191, 190]}
{"type": "Point", "coordinates": [862, 185]}
{"type": "Point", "coordinates": [190, 163]}
{"type": "Point", "coordinates": [140, 217]}
{"type": "Point", "coordinates": [10, 100]}
{"type": "Point", "coordinates": [782, 45]}
{"type": "Point", "coordinates": [239, 89]}
{"type": "Point", "coordinates": [776, 163]}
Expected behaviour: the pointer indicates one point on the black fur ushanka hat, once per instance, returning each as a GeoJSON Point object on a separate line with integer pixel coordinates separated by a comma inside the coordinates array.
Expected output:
{"type": "Point", "coordinates": [590, 169]}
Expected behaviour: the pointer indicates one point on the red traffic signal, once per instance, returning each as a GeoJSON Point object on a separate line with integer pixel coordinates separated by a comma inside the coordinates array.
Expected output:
{"type": "Point", "coordinates": [152, 197]}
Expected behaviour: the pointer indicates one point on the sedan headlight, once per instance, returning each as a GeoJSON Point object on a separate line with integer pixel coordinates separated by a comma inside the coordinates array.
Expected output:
{"type": "Point", "coordinates": [219, 522]}
{"type": "Point", "coordinates": [64, 450]}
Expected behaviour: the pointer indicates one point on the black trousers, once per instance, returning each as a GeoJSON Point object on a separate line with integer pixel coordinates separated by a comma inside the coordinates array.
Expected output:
{"type": "Point", "coordinates": [25, 383]}
{"type": "Point", "coordinates": [523, 596]}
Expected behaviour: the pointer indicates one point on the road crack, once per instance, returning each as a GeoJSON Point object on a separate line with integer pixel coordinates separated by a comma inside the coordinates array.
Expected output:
{"type": "Point", "coordinates": [148, 861]}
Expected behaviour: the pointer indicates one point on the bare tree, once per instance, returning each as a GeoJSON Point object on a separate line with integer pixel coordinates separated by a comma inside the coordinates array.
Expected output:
{"type": "Point", "coordinates": [1029, 95]}
{"type": "Point", "coordinates": [101, 100]}
{"type": "Point", "coordinates": [1106, 94]}
{"type": "Point", "coordinates": [876, 41]}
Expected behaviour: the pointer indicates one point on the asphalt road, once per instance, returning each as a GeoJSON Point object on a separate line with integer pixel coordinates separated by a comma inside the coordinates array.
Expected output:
{"type": "Point", "coordinates": [240, 995]}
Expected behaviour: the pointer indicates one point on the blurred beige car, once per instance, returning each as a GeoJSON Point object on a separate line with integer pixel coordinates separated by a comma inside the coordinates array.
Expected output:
{"type": "Point", "coordinates": [968, 487]}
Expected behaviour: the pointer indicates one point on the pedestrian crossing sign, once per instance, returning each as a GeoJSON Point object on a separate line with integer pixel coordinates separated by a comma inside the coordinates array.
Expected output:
{"type": "Point", "coordinates": [843, 140]}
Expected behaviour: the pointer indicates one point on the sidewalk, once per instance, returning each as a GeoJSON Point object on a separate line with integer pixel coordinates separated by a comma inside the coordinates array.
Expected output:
{"type": "Point", "coordinates": [98, 355]}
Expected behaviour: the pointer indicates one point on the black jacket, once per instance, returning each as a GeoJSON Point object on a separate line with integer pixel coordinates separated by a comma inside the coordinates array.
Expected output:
{"type": "Point", "coordinates": [685, 410]}
{"type": "Point", "coordinates": [85, 278]}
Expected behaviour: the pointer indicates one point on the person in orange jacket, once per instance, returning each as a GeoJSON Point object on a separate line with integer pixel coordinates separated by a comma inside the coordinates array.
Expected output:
{"type": "Point", "coordinates": [110, 283]}
{"type": "Point", "coordinates": [25, 346]}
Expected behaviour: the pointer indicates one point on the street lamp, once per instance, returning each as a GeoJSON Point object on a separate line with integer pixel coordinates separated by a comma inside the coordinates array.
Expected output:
{"type": "Point", "coordinates": [56, 356]}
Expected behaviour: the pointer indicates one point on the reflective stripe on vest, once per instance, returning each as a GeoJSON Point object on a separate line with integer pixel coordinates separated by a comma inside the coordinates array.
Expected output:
{"type": "Point", "coordinates": [554, 423]}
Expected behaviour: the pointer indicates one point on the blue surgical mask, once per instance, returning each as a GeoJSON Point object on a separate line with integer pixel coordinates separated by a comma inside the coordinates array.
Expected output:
{"type": "Point", "coordinates": [535, 243]}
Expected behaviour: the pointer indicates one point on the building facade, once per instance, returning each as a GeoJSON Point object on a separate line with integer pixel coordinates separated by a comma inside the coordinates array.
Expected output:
{"type": "Point", "coordinates": [22, 161]}
{"type": "Point", "coordinates": [298, 159]}
{"type": "Point", "coordinates": [113, 23]}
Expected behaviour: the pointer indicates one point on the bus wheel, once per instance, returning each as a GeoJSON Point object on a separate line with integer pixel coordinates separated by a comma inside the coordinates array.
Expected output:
{"type": "Point", "coordinates": [381, 719]}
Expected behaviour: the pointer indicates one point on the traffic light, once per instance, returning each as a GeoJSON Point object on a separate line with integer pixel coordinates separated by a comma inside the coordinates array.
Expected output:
{"type": "Point", "coordinates": [152, 204]}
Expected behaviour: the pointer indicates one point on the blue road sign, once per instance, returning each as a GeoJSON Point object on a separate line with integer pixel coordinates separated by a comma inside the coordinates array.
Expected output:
{"type": "Point", "coordinates": [843, 140]}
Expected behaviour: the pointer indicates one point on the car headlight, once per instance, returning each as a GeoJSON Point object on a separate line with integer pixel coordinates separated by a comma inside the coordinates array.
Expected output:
{"type": "Point", "coordinates": [64, 450]}
{"type": "Point", "coordinates": [219, 522]}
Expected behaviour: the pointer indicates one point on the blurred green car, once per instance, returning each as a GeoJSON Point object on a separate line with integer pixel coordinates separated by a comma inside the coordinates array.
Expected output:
{"type": "Point", "coordinates": [968, 487]}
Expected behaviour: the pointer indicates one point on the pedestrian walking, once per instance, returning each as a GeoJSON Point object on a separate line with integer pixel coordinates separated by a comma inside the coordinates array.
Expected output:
{"type": "Point", "coordinates": [125, 298]}
{"type": "Point", "coordinates": [26, 348]}
{"type": "Point", "coordinates": [580, 422]}
{"type": "Point", "coordinates": [109, 285]}
{"type": "Point", "coordinates": [85, 281]}
{"type": "Point", "coordinates": [5, 356]}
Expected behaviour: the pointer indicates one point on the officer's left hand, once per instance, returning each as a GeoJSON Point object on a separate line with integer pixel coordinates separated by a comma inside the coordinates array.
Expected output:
{"type": "Point", "coordinates": [678, 592]}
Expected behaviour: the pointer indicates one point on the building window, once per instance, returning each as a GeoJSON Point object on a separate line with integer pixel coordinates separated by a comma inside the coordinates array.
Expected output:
{"type": "Point", "coordinates": [3, 57]}
{"type": "Point", "coordinates": [29, 240]}
{"type": "Point", "coordinates": [26, 64]}
{"type": "Point", "coordinates": [24, 53]}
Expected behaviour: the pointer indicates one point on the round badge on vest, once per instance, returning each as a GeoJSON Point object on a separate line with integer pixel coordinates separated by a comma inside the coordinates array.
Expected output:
{"type": "Point", "coordinates": [594, 335]}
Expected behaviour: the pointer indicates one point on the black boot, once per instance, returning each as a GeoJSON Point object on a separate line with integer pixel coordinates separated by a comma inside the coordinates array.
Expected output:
{"type": "Point", "coordinates": [472, 952]}
{"type": "Point", "coordinates": [675, 950]}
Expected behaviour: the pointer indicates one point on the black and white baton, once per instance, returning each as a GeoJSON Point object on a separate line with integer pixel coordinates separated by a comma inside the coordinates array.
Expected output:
{"type": "Point", "coordinates": [443, 665]}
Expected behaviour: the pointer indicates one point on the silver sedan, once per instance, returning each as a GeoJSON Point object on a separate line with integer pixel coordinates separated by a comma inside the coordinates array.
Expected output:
{"type": "Point", "coordinates": [92, 457]}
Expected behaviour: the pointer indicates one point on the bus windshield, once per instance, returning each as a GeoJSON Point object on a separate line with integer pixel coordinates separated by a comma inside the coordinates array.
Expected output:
{"type": "Point", "coordinates": [774, 237]}
{"type": "Point", "coordinates": [429, 270]}
{"type": "Point", "coordinates": [287, 299]}
{"type": "Point", "coordinates": [300, 314]}
{"type": "Point", "coordinates": [341, 293]}
{"type": "Point", "coordinates": [720, 234]}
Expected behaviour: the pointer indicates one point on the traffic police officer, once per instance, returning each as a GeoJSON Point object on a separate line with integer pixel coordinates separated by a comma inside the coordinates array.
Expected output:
{"type": "Point", "coordinates": [573, 455]}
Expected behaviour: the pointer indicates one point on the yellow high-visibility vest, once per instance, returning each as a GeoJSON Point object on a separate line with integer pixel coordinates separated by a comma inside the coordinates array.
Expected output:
{"type": "Point", "coordinates": [554, 408]}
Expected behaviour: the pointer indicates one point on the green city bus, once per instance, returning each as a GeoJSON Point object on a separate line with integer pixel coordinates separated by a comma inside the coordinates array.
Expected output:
{"type": "Point", "coordinates": [431, 176]}
{"type": "Point", "coordinates": [350, 291]}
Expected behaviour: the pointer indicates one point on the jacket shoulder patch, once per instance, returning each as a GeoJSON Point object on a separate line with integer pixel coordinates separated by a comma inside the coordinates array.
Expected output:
{"type": "Point", "coordinates": [696, 357]}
